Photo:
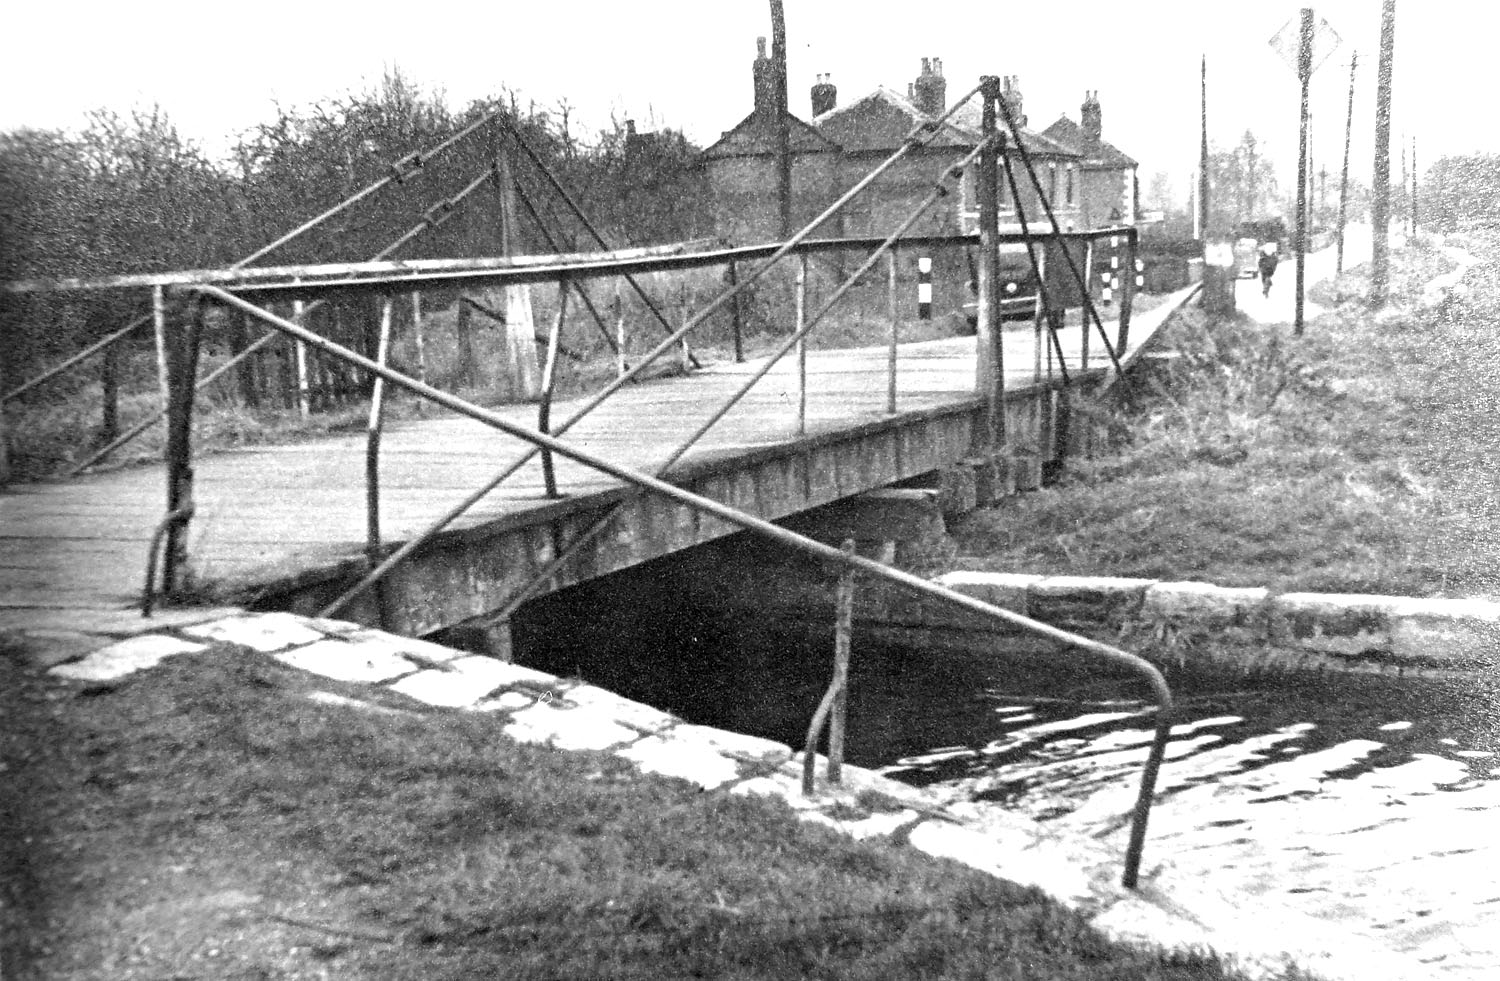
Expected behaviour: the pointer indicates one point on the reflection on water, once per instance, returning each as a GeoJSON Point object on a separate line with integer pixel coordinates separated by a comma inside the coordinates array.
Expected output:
{"type": "Point", "coordinates": [1366, 801]}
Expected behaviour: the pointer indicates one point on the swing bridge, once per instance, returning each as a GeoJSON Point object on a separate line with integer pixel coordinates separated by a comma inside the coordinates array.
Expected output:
{"type": "Point", "coordinates": [422, 524]}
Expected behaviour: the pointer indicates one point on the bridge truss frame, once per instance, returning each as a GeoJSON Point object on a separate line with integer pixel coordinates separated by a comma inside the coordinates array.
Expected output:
{"type": "Point", "coordinates": [250, 290]}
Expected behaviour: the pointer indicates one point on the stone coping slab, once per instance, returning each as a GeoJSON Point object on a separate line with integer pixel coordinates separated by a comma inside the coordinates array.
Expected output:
{"type": "Point", "coordinates": [532, 706]}
{"type": "Point", "coordinates": [1403, 631]}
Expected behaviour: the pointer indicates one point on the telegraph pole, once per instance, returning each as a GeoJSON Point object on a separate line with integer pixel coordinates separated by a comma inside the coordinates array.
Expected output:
{"type": "Point", "coordinates": [783, 135]}
{"type": "Point", "coordinates": [1380, 204]}
{"type": "Point", "coordinates": [1344, 185]}
{"type": "Point", "coordinates": [1414, 185]}
{"type": "Point", "coordinates": [1304, 76]}
{"type": "Point", "coordinates": [1203, 153]}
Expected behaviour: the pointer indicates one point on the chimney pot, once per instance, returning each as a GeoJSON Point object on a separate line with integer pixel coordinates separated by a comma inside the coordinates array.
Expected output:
{"type": "Point", "coordinates": [1092, 118]}
{"type": "Point", "coordinates": [763, 73]}
{"type": "Point", "coordinates": [824, 95]}
{"type": "Point", "coordinates": [930, 92]}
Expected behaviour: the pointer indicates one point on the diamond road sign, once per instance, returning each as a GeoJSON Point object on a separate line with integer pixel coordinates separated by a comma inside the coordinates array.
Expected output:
{"type": "Point", "coordinates": [1287, 40]}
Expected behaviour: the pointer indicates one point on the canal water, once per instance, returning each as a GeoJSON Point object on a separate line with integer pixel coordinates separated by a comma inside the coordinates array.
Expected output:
{"type": "Point", "coordinates": [1367, 801]}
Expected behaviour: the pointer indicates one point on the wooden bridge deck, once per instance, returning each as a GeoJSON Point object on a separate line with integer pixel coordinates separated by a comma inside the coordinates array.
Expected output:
{"type": "Point", "coordinates": [269, 512]}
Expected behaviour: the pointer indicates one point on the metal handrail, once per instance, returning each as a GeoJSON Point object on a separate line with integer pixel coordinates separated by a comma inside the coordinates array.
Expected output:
{"type": "Point", "coordinates": [399, 171]}
{"type": "Point", "coordinates": [1088, 303]}
{"type": "Point", "coordinates": [777, 253]}
{"type": "Point", "coordinates": [252, 348]}
{"type": "Point", "coordinates": [1161, 692]}
{"type": "Point", "coordinates": [83, 355]}
{"type": "Point", "coordinates": [796, 340]}
{"type": "Point", "coordinates": [803, 247]}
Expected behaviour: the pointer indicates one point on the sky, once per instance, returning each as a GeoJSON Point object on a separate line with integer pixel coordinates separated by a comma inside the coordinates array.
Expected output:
{"type": "Point", "coordinates": [219, 70]}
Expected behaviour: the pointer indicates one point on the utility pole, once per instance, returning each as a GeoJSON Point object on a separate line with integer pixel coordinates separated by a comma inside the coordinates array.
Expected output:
{"type": "Point", "coordinates": [1414, 185]}
{"type": "Point", "coordinates": [1304, 76]}
{"type": "Point", "coordinates": [1405, 180]}
{"type": "Point", "coordinates": [1203, 153]}
{"type": "Point", "coordinates": [1344, 185]}
{"type": "Point", "coordinates": [783, 135]}
{"type": "Point", "coordinates": [991, 335]}
{"type": "Point", "coordinates": [1380, 204]}
{"type": "Point", "coordinates": [1250, 173]}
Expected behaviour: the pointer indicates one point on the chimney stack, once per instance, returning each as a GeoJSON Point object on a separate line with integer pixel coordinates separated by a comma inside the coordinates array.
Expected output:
{"type": "Point", "coordinates": [765, 81]}
{"type": "Point", "coordinates": [824, 95]}
{"type": "Point", "coordinates": [930, 91]}
{"type": "Point", "coordinates": [1012, 96]}
{"type": "Point", "coordinates": [1093, 123]}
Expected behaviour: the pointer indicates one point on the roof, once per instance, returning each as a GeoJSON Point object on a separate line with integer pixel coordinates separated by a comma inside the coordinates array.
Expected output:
{"type": "Point", "coordinates": [755, 135]}
{"type": "Point", "coordinates": [1069, 134]}
{"type": "Point", "coordinates": [970, 116]}
{"type": "Point", "coordinates": [881, 121]}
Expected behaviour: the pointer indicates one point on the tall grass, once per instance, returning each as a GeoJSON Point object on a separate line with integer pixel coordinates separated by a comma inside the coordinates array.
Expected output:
{"type": "Point", "coordinates": [1351, 459]}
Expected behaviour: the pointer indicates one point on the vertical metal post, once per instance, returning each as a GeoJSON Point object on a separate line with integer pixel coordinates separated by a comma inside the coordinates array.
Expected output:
{"type": "Point", "coordinates": [1043, 313]}
{"type": "Point", "coordinates": [1304, 77]}
{"type": "Point", "coordinates": [159, 323]}
{"type": "Point", "coordinates": [894, 301]}
{"type": "Point", "coordinates": [419, 338]}
{"type": "Point", "coordinates": [619, 310]}
{"type": "Point", "coordinates": [303, 407]}
{"type": "Point", "coordinates": [183, 373]}
{"type": "Point", "coordinates": [991, 339]}
{"type": "Point", "coordinates": [842, 641]}
{"type": "Point", "coordinates": [109, 383]}
{"type": "Point", "coordinates": [549, 379]}
{"type": "Point", "coordinates": [684, 354]}
{"type": "Point", "coordinates": [373, 431]}
{"type": "Point", "coordinates": [734, 313]}
{"type": "Point", "coordinates": [1128, 288]}
{"type": "Point", "coordinates": [801, 345]}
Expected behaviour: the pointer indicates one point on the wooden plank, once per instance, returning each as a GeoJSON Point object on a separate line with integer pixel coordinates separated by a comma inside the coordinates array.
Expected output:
{"type": "Point", "coordinates": [280, 509]}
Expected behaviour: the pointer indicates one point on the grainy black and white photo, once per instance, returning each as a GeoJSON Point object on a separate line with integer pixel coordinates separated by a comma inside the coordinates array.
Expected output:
{"type": "Point", "coordinates": [769, 489]}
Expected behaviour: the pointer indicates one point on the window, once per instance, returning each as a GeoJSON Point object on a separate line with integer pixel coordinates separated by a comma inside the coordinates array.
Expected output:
{"type": "Point", "coordinates": [1070, 184]}
{"type": "Point", "coordinates": [1052, 182]}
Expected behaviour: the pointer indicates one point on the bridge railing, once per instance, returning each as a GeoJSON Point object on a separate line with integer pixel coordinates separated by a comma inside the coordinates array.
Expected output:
{"type": "Point", "coordinates": [548, 444]}
{"type": "Point", "coordinates": [397, 172]}
{"type": "Point", "coordinates": [248, 291]}
{"type": "Point", "coordinates": [838, 558]}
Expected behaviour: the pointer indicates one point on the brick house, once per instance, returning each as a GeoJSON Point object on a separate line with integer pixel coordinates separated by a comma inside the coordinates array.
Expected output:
{"type": "Point", "coordinates": [1110, 186]}
{"type": "Point", "coordinates": [841, 144]}
{"type": "Point", "coordinates": [741, 168]}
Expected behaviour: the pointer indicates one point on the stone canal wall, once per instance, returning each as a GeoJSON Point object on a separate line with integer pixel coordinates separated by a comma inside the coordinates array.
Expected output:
{"type": "Point", "coordinates": [1171, 910]}
{"type": "Point", "coordinates": [1355, 631]}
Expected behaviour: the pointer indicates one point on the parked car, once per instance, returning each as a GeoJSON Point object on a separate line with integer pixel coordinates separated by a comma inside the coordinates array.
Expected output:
{"type": "Point", "coordinates": [1018, 290]}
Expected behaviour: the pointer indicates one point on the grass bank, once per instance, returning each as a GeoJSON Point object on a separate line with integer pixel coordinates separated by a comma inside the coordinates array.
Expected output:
{"type": "Point", "coordinates": [1356, 458]}
{"type": "Point", "coordinates": [206, 820]}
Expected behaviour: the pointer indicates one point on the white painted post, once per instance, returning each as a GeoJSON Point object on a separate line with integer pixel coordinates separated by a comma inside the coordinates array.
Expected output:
{"type": "Point", "coordinates": [620, 366]}
{"type": "Point", "coordinates": [801, 345]}
{"type": "Point", "coordinates": [303, 407]}
{"type": "Point", "coordinates": [159, 322]}
{"type": "Point", "coordinates": [890, 398]}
